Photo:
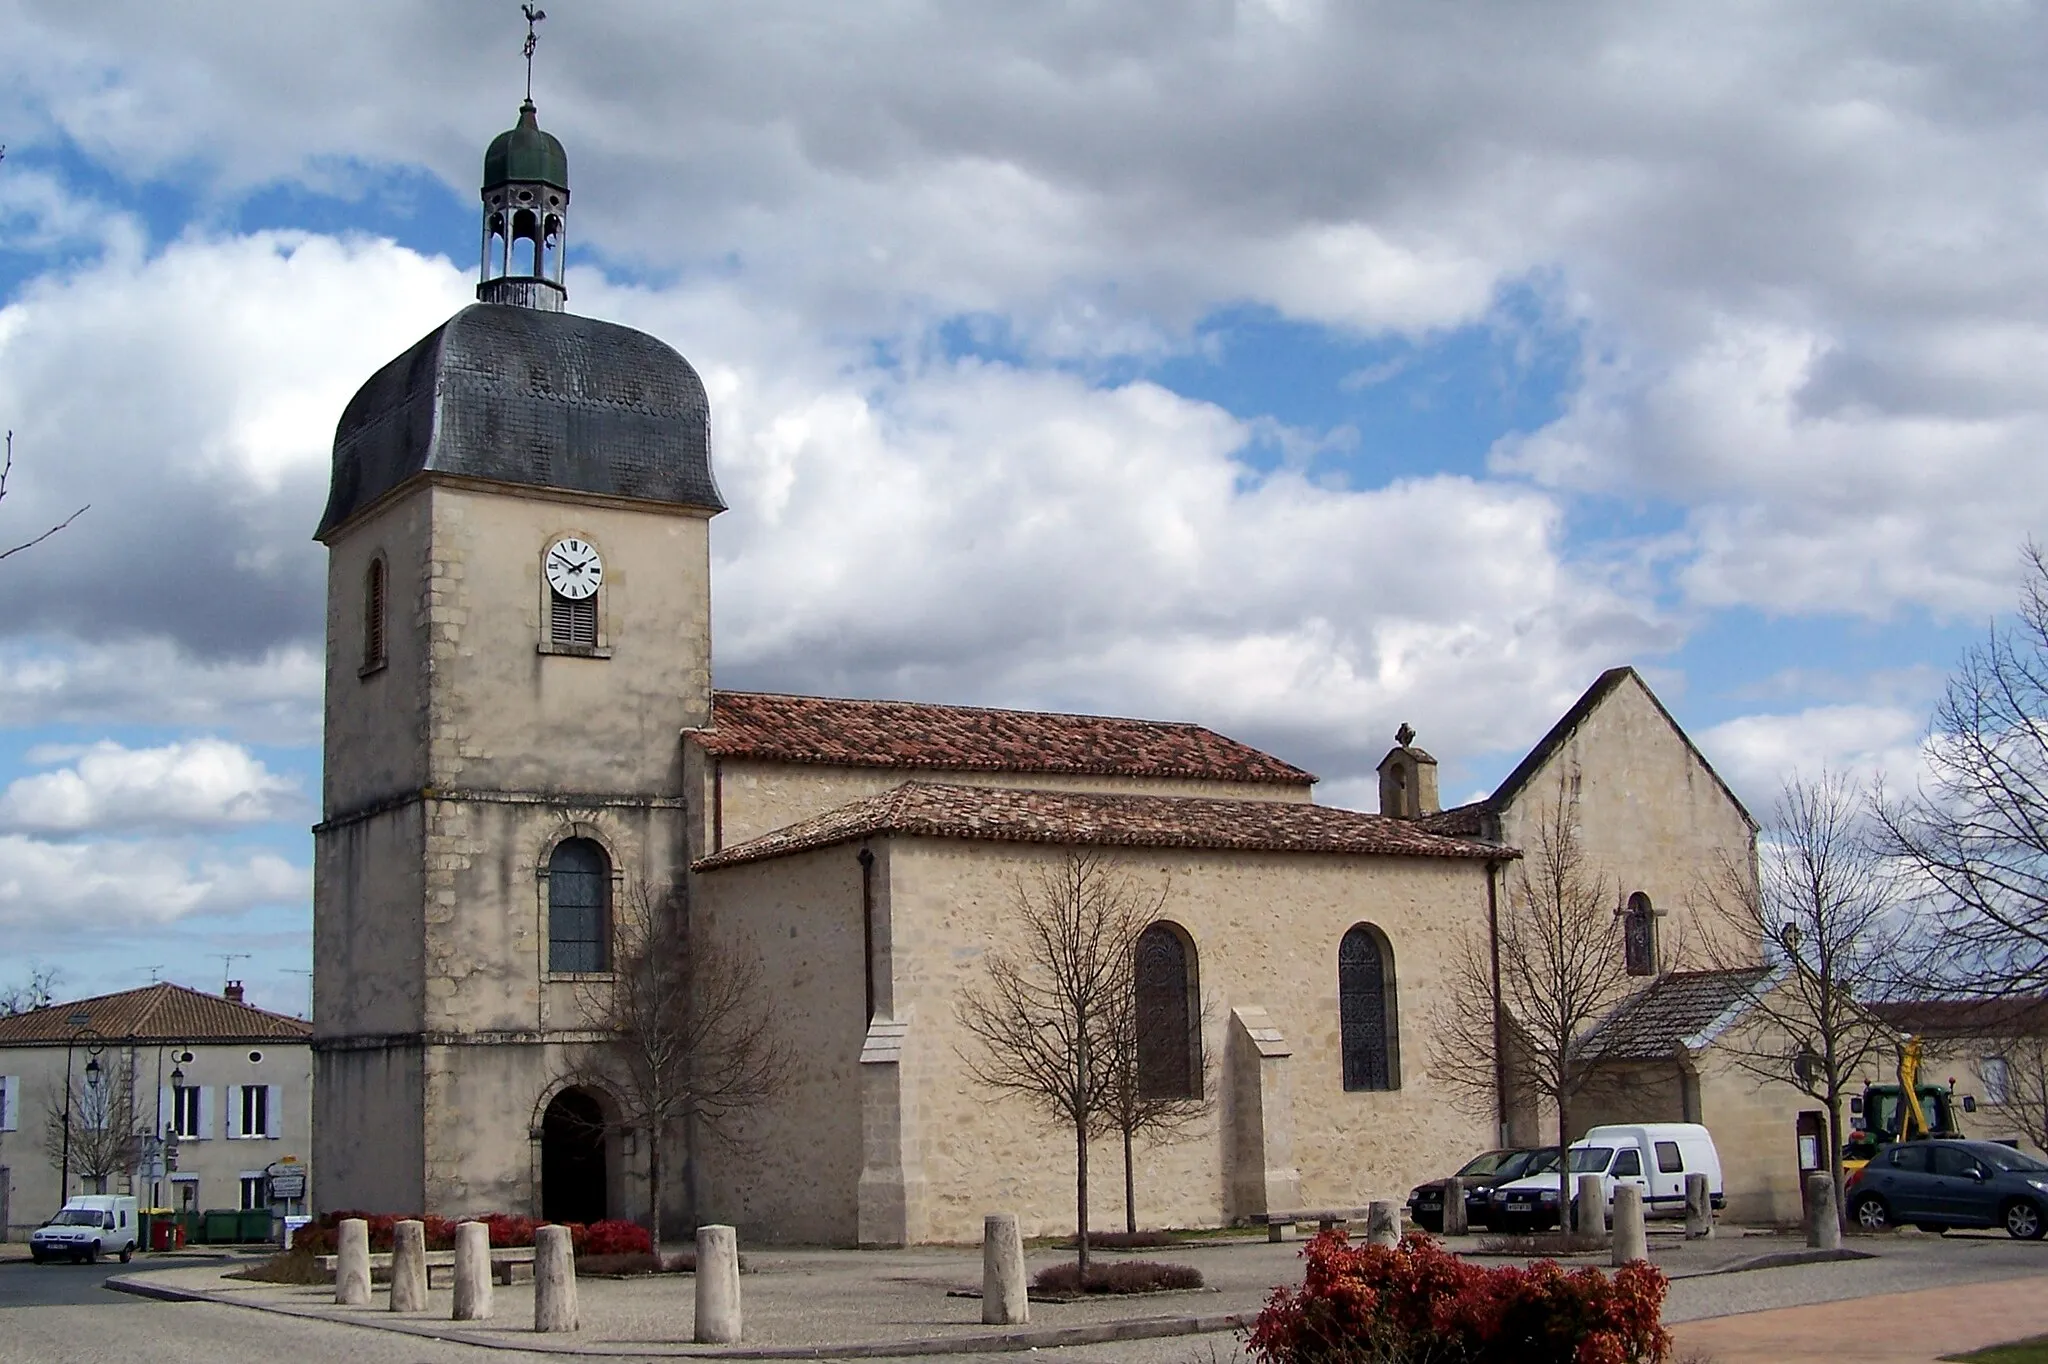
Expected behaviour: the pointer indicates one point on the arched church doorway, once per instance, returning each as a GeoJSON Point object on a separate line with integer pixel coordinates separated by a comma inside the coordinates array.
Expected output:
{"type": "Point", "coordinates": [572, 1173]}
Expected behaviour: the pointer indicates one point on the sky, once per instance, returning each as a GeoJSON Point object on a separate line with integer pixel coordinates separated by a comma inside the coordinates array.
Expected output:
{"type": "Point", "coordinates": [1298, 367]}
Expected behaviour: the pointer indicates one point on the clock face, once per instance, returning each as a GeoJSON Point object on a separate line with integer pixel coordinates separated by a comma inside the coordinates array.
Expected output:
{"type": "Point", "coordinates": [573, 568]}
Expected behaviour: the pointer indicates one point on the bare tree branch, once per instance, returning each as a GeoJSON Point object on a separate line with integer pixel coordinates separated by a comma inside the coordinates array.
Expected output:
{"type": "Point", "coordinates": [104, 1138]}
{"type": "Point", "coordinates": [6, 471]}
{"type": "Point", "coordinates": [1826, 905]}
{"type": "Point", "coordinates": [1050, 1016]}
{"type": "Point", "coordinates": [1561, 969]}
{"type": "Point", "coordinates": [1979, 838]}
{"type": "Point", "coordinates": [695, 1037]}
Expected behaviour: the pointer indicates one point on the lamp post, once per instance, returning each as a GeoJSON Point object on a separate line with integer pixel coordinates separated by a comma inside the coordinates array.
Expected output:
{"type": "Point", "coordinates": [81, 1026]}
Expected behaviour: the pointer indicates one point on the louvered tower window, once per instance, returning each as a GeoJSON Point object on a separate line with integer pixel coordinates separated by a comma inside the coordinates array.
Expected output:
{"type": "Point", "coordinates": [1368, 1015]}
{"type": "Point", "coordinates": [572, 624]}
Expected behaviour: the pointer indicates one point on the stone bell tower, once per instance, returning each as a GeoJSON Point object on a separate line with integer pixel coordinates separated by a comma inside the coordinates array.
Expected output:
{"type": "Point", "coordinates": [518, 626]}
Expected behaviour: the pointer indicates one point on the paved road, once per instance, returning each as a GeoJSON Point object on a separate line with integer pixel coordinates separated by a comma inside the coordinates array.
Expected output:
{"type": "Point", "coordinates": [63, 1285]}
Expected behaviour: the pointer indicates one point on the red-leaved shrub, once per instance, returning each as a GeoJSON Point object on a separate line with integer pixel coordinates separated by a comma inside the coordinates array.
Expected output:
{"type": "Point", "coordinates": [615, 1238]}
{"type": "Point", "coordinates": [1419, 1302]}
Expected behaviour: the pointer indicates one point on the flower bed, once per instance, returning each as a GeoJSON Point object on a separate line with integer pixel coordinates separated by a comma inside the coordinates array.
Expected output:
{"type": "Point", "coordinates": [1129, 1276]}
{"type": "Point", "coordinates": [612, 1237]}
{"type": "Point", "coordinates": [1418, 1302]}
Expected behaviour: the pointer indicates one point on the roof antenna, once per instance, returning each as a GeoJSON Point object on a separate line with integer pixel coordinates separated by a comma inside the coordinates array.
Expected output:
{"type": "Point", "coordinates": [534, 14]}
{"type": "Point", "coordinates": [228, 960]}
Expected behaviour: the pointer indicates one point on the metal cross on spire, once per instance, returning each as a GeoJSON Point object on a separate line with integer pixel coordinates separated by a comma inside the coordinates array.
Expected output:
{"type": "Point", "coordinates": [534, 15]}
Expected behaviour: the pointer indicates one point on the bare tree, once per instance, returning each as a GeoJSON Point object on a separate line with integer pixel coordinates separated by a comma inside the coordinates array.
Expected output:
{"type": "Point", "coordinates": [1163, 1108]}
{"type": "Point", "coordinates": [1979, 838]}
{"type": "Point", "coordinates": [104, 1139]}
{"type": "Point", "coordinates": [1560, 969]}
{"type": "Point", "coordinates": [1826, 905]}
{"type": "Point", "coordinates": [29, 994]}
{"type": "Point", "coordinates": [6, 472]}
{"type": "Point", "coordinates": [1050, 1014]}
{"type": "Point", "coordinates": [694, 1038]}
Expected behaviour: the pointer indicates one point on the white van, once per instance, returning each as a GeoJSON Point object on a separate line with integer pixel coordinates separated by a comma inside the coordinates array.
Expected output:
{"type": "Point", "coordinates": [88, 1226]}
{"type": "Point", "coordinates": [1654, 1156]}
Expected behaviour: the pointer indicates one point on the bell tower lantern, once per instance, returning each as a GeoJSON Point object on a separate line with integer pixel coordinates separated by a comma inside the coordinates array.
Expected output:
{"type": "Point", "coordinates": [526, 217]}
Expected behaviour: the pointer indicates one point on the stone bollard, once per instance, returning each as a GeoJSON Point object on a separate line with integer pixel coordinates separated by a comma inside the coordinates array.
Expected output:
{"type": "Point", "coordinates": [1589, 1210]}
{"type": "Point", "coordinates": [1383, 1223]}
{"type": "Point", "coordinates": [1699, 1208]}
{"type": "Point", "coordinates": [1454, 1207]}
{"type": "Point", "coordinates": [718, 1286]}
{"type": "Point", "coordinates": [1631, 1239]}
{"type": "Point", "coordinates": [1003, 1299]}
{"type": "Point", "coordinates": [352, 1263]}
{"type": "Point", "coordinates": [554, 1280]}
{"type": "Point", "coordinates": [1823, 1226]}
{"type": "Point", "coordinates": [472, 1272]}
{"type": "Point", "coordinates": [409, 1266]}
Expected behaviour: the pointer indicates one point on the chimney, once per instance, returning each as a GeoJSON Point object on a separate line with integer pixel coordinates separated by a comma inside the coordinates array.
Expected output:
{"type": "Point", "coordinates": [233, 993]}
{"type": "Point", "coordinates": [1407, 779]}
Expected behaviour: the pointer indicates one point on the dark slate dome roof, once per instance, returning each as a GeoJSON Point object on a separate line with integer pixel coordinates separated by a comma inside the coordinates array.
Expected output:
{"type": "Point", "coordinates": [525, 152]}
{"type": "Point", "coordinates": [518, 395]}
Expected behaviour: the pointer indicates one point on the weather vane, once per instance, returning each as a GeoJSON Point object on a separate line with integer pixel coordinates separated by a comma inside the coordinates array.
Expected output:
{"type": "Point", "coordinates": [534, 15]}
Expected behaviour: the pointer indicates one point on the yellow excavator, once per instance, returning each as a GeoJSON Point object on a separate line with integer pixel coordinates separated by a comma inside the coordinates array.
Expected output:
{"type": "Point", "coordinates": [1906, 1111]}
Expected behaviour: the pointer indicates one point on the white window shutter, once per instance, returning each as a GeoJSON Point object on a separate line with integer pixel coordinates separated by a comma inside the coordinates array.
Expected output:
{"type": "Point", "coordinates": [273, 1111]}
{"type": "Point", "coordinates": [205, 1111]}
{"type": "Point", "coordinates": [164, 1112]}
{"type": "Point", "coordinates": [10, 1103]}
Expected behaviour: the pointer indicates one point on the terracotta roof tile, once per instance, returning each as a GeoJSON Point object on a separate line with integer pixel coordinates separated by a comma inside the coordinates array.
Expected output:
{"type": "Point", "coordinates": [156, 1013]}
{"type": "Point", "coordinates": [920, 736]}
{"type": "Point", "coordinates": [997, 814]}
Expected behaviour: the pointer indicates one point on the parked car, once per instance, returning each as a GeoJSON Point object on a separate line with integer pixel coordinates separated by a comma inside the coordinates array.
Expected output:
{"type": "Point", "coordinates": [1939, 1184]}
{"type": "Point", "coordinates": [87, 1227]}
{"type": "Point", "coordinates": [1481, 1173]}
{"type": "Point", "coordinates": [1655, 1157]}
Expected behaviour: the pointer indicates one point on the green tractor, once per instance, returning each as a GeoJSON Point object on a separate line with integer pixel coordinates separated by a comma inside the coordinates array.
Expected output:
{"type": "Point", "coordinates": [1906, 1111]}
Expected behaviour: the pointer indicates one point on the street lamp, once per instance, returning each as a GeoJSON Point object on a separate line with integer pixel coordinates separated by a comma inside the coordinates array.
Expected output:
{"type": "Point", "coordinates": [81, 1026]}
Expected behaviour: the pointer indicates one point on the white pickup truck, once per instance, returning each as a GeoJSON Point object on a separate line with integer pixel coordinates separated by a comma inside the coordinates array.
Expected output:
{"type": "Point", "coordinates": [87, 1227]}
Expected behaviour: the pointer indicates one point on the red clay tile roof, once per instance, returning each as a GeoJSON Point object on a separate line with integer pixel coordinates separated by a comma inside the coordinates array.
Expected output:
{"type": "Point", "coordinates": [1001, 815]}
{"type": "Point", "coordinates": [921, 736]}
{"type": "Point", "coordinates": [156, 1013]}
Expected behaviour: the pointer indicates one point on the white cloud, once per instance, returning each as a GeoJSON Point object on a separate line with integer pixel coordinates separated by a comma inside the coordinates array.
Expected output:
{"type": "Point", "coordinates": [196, 784]}
{"type": "Point", "coordinates": [86, 888]}
{"type": "Point", "coordinates": [274, 698]}
{"type": "Point", "coordinates": [1757, 754]}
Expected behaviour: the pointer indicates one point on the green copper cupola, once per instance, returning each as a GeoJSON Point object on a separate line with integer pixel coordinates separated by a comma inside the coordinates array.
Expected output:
{"type": "Point", "coordinates": [526, 216]}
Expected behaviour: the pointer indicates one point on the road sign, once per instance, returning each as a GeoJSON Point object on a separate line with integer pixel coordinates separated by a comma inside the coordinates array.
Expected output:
{"type": "Point", "coordinates": [287, 1182]}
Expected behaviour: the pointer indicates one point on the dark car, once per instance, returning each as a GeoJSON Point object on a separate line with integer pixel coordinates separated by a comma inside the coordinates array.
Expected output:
{"type": "Point", "coordinates": [1482, 1172]}
{"type": "Point", "coordinates": [1935, 1185]}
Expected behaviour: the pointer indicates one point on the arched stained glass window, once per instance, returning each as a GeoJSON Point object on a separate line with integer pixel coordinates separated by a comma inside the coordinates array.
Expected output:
{"type": "Point", "coordinates": [1368, 1013]}
{"type": "Point", "coordinates": [1169, 1013]}
{"type": "Point", "coordinates": [1639, 936]}
{"type": "Point", "coordinates": [579, 907]}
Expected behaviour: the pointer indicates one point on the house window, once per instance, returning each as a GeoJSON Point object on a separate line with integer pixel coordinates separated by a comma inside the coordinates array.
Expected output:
{"type": "Point", "coordinates": [1639, 936]}
{"type": "Point", "coordinates": [579, 907]}
{"type": "Point", "coordinates": [185, 1110]}
{"type": "Point", "coordinates": [255, 1190]}
{"type": "Point", "coordinates": [254, 1111]}
{"type": "Point", "coordinates": [1997, 1080]}
{"type": "Point", "coordinates": [1368, 1012]}
{"type": "Point", "coordinates": [373, 615]}
{"type": "Point", "coordinates": [1169, 1009]}
{"type": "Point", "coordinates": [572, 624]}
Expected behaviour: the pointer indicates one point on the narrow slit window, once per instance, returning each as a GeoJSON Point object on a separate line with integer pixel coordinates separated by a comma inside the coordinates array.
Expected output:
{"type": "Point", "coordinates": [373, 614]}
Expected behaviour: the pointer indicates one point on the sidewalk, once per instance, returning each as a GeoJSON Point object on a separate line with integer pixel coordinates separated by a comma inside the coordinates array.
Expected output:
{"type": "Point", "coordinates": [1897, 1328]}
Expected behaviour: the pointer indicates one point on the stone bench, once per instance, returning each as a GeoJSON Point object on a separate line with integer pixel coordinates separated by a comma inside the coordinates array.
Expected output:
{"type": "Point", "coordinates": [505, 1263]}
{"type": "Point", "coordinates": [1280, 1225]}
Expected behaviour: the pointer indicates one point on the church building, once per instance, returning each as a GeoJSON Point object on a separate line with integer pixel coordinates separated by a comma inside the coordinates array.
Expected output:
{"type": "Point", "coordinates": [524, 748]}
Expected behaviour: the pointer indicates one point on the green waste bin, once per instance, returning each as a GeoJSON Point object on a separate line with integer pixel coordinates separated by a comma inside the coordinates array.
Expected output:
{"type": "Point", "coordinates": [194, 1227]}
{"type": "Point", "coordinates": [223, 1226]}
{"type": "Point", "coordinates": [255, 1226]}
